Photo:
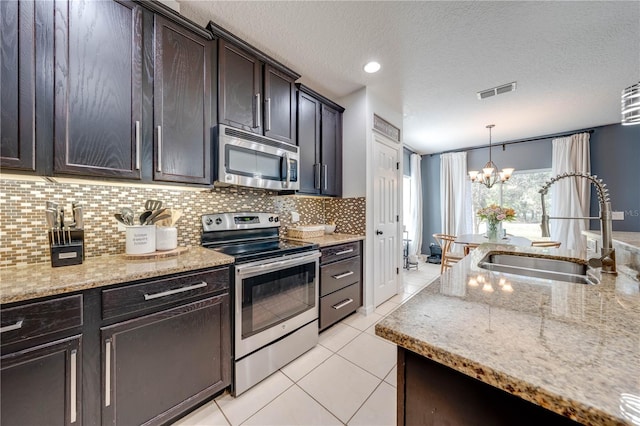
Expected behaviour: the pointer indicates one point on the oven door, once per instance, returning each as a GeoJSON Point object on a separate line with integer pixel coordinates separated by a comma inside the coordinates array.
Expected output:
{"type": "Point", "coordinates": [273, 298]}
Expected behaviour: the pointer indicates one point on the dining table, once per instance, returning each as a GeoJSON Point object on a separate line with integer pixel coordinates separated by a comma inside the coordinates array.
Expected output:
{"type": "Point", "coordinates": [471, 241]}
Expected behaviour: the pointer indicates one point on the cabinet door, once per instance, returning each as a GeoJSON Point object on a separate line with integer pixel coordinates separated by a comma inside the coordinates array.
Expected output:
{"type": "Point", "coordinates": [182, 105]}
{"type": "Point", "coordinates": [17, 96]}
{"type": "Point", "coordinates": [279, 106]}
{"type": "Point", "coordinates": [309, 143]}
{"type": "Point", "coordinates": [98, 77]}
{"type": "Point", "coordinates": [331, 152]}
{"type": "Point", "coordinates": [239, 101]}
{"type": "Point", "coordinates": [180, 356]}
{"type": "Point", "coordinates": [41, 385]}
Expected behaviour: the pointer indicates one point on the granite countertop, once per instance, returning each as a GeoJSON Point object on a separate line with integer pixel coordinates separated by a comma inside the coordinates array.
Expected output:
{"type": "Point", "coordinates": [331, 239]}
{"type": "Point", "coordinates": [21, 283]}
{"type": "Point", "coordinates": [571, 348]}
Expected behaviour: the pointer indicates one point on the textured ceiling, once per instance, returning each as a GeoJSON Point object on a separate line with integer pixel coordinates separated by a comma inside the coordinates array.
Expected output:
{"type": "Point", "coordinates": [571, 59]}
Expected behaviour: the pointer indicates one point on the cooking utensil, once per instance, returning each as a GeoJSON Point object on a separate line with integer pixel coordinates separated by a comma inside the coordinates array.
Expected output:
{"type": "Point", "coordinates": [154, 215]}
{"type": "Point", "coordinates": [51, 223]}
{"type": "Point", "coordinates": [120, 219]}
{"type": "Point", "coordinates": [144, 216]}
{"type": "Point", "coordinates": [175, 215]}
{"type": "Point", "coordinates": [52, 205]}
{"type": "Point", "coordinates": [127, 216]}
{"type": "Point", "coordinates": [78, 218]}
{"type": "Point", "coordinates": [159, 218]}
{"type": "Point", "coordinates": [152, 205]}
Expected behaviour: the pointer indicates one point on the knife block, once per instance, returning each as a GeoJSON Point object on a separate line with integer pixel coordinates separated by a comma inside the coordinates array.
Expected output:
{"type": "Point", "coordinates": [68, 249]}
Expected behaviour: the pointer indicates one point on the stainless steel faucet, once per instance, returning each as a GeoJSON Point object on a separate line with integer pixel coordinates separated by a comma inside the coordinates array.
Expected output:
{"type": "Point", "coordinates": [607, 259]}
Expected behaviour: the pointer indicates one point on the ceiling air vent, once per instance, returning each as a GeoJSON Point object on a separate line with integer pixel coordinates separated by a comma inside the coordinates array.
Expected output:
{"type": "Point", "coordinates": [484, 94]}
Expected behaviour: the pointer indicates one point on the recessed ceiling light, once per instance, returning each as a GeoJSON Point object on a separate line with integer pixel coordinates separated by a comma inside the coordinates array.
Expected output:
{"type": "Point", "coordinates": [372, 67]}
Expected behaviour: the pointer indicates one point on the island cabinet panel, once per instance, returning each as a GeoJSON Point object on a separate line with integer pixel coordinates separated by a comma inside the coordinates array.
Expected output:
{"type": "Point", "coordinates": [320, 140]}
{"type": "Point", "coordinates": [182, 104]}
{"type": "Point", "coordinates": [430, 393]}
{"type": "Point", "coordinates": [17, 80]}
{"type": "Point", "coordinates": [98, 88]}
{"type": "Point", "coordinates": [157, 366]}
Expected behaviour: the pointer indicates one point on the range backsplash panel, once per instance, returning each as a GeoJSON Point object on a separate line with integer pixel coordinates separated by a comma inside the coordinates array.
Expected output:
{"type": "Point", "coordinates": [23, 228]}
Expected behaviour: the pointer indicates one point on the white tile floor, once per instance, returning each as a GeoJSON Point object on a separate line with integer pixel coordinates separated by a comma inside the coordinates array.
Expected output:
{"type": "Point", "coordinates": [348, 379]}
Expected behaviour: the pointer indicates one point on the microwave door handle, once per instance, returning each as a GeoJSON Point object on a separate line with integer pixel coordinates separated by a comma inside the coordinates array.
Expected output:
{"type": "Point", "coordinates": [287, 163]}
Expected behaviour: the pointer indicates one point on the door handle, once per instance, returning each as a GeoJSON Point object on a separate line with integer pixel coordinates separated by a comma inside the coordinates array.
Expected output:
{"type": "Point", "coordinates": [159, 166]}
{"type": "Point", "coordinates": [267, 112]}
{"type": "Point", "coordinates": [73, 394]}
{"type": "Point", "coordinates": [258, 118]}
{"type": "Point", "coordinates": [378, 232]}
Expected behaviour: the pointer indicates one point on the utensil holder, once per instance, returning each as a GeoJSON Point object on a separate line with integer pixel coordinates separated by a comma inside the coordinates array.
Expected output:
{"type": "Point", "coordinates": [140, 239]}
{"type": "Point", "coordinates": [66, 247]}
{"type": "Point", "coordinates": [166, 238]}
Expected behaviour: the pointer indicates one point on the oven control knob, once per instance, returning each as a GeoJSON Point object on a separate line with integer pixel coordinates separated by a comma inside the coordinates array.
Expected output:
{"type": "Point", "coordinates": [218, 221]}
{"type": "Point", "coordinates": [277, 219]}
{"type": "Point", "coordinates": [270, 218]}
{"type": "Point", "coordinates": [208, 221]}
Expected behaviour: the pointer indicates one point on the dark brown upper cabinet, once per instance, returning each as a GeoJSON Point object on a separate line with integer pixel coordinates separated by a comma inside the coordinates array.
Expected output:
{"type": "Point", "coordinates": [255, 92]}
{"type": "Point", "coordinates": [98, 88]}
{"type": "Point", "coordinates": [320, 141]}
{"type": "Point", "coordinates": [17, 79]}
{"type": "Point", "coordinates": [182, 104]}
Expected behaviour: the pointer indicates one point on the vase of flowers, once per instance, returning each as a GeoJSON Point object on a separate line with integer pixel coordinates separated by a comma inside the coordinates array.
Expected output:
{"type": "Point", "coordinates": [495, 215]}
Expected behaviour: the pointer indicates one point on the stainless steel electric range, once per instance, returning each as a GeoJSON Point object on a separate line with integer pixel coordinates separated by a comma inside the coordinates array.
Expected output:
{"type": "Point", "coordinates": [275, 285]}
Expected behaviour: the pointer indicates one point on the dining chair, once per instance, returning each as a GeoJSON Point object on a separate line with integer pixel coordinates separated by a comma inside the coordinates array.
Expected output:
{"type": "Point", "coordinates": [448, 258]}
{"type": "Point", "coordinates": [554, 244]}
{"type": "Point", "coordinates": [468, 247]}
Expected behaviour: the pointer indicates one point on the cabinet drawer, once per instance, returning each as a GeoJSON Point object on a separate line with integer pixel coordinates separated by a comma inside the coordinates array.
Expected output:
{"type": "Point", "coordinates": [339, 252]}
{"type": "Point", "coordinates": [339, 304]}
{"type": "Point", "coordinates": [338, 275]}
{"type": "Point", "coordinates": [153, 294]}
{"type": "Point", "coordinates": [39, 319]}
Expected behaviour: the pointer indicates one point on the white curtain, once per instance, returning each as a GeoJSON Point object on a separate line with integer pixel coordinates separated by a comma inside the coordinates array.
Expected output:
{"type": "Point", "coordinates": [570, 197]}
{"type": "Point", "coordinates": [414, 227]}
{"type": "Point", "coordinates": [455, 194]}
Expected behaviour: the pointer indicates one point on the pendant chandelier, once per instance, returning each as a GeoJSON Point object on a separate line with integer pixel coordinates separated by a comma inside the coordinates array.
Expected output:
{"type": "Point", "coordinates": [631, 105]}
{"type": "Point", "coordinates": [490, 174]}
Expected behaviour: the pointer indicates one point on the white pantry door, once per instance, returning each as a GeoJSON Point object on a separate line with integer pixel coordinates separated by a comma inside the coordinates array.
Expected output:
{"type": "Point", "coordinates": [386, 252]}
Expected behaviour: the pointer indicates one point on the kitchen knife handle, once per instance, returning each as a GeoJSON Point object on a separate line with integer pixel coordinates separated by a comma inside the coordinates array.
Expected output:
{"type": "Point", "coordinates": [137, 135]}
{"type": "Point", "coordinates": [159, 166]}
{"type": "Point", "coordinates": [107, 373]}
{"type": "Point", "coordinates": [73, 394]}
{"type": "Point", "coordinates": [267, 111]}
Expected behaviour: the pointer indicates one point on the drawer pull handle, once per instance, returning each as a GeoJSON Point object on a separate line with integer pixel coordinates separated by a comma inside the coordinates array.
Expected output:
{"type": "Point", "coordinates": [174, 291]}
{"type": "Point", "coordinates": [107, 374]}
{"type": "Point", "coordinates": [339, 253]}
{"type": "Point", "coordinates": [73, 394]}
{"type": "Point", "coordinates": [342, 304]}
{"type": "Point", "coordinates": [341, 276]}
{"type": "Point", "coordinates": [16, 326]}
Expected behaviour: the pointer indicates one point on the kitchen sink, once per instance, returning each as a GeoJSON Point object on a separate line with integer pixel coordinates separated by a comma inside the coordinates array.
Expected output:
{"type": "Point", "coordinates": [539, 267]}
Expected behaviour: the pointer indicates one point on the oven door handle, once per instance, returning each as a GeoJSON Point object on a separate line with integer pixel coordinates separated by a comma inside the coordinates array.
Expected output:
{"type": "Point", "coordinates": [249, 270]}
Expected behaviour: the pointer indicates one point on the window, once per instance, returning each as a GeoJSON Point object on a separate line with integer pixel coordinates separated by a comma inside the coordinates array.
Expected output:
{"type": "Point", "coordinates": [520, 193]}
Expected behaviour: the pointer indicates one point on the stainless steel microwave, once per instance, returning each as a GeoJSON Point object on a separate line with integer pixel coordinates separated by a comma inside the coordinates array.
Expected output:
{"type": "Point", "coordinates": [247, 159]}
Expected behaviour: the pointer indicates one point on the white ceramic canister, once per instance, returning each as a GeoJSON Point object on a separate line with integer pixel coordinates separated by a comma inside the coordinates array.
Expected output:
{"type": "Point", "coordinates": [141, 239]}
{"type": "Point", "coordinates": [166, 238]}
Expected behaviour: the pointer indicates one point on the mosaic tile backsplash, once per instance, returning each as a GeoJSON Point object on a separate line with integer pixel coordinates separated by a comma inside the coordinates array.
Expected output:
{"type": "Point", "coordinates": [23, 237]}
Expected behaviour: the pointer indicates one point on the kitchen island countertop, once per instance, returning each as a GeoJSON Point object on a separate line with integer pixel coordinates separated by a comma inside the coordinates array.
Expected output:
{"type": "Point", "coordinates": [331, 239]}
{"type": "Point", "coordinates": [573, 349]}
{"type": "Point", "coordinates": [19, 283]}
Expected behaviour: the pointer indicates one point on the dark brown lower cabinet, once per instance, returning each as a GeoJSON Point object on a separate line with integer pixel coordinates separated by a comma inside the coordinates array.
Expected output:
{"type": "Point", "coordinates": [430, 393]}
{"type": "Point", "coordinates": [41, 385]}
{"type": "Point", "coordinates": [158, 365]}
